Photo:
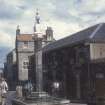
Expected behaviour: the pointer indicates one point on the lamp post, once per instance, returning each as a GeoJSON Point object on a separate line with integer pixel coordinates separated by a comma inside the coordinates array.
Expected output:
{"type": "Point", "coordinates": [56, 88]}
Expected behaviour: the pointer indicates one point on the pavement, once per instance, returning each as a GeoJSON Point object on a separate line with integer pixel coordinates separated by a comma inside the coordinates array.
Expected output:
{"type": "Point", "coordinates": [10, 96]}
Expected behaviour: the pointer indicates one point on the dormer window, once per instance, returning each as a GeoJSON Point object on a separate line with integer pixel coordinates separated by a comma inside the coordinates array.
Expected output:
{"type": "Point", "coordinates": [25, 44]}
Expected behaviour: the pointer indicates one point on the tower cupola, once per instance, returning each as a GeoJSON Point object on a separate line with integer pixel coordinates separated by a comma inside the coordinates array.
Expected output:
{"type": "Point", "coordinates": [49, 34]}
{"type": "Point", "coordinates": [18, 30]}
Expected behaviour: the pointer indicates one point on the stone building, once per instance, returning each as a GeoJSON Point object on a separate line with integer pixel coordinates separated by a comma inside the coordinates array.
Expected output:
{"type": "Point", "coordinates": [77, 63]}
{"type": "Point", "coordinates": [26, 55]}
{"type": "Point", "coordinates": [28, 47]}
{"type": "Point", "coordinates": [10, 69]}
{"type": "Point", "coordinates": [1, 72]}
{"type": "Point", "coordinates": [24, 52]}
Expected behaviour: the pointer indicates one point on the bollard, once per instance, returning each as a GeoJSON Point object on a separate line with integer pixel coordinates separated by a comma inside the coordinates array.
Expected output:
{"type": "Point", "coordinates": [19, 91]}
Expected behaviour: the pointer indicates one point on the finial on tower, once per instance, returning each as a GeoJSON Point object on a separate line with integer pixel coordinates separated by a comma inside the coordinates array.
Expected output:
{"type": "Point", "coordinates": [18, 30]}
{"type": "Point", "coordinates": [37, 11]}
{"type": "Point", "coordinates": [17, 26]}
{"type": "Point", "coordinates": [37, 18]}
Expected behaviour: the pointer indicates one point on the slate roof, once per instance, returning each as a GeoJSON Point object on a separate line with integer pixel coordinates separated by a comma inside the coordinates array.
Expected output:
{"type": "Point", "coordinates": [94, 34]}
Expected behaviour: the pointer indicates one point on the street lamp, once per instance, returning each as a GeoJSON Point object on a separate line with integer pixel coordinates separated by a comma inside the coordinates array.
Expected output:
{"type": "Point", "coordinates": [56, 87]}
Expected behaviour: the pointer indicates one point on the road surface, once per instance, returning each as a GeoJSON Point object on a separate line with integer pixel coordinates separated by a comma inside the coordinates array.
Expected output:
{"type": "Point", "coordinates": [10, 96]}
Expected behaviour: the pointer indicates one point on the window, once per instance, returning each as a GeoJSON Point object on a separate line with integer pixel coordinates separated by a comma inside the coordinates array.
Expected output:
{"type": "Point", "coordinates": [101, 51]}
{"type": "Point", "coordinates": [99, 75]}
{"type": "Point", "coordinates": [25, 64]}
{"type": "Point", "coordinates": [25, 44]}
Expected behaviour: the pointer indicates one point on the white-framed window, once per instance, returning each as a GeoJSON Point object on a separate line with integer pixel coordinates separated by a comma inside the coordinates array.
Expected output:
{"type": "Point", "coordinates": [25, 44]}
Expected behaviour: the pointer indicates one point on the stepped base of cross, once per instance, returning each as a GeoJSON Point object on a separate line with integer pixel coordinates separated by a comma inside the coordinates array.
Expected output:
{"type": "Point", "coordinates": [45, 97]}
{"type": "Point", "coordinates": [42, 98]}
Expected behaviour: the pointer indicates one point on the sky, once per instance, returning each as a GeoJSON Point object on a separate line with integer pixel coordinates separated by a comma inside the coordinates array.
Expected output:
{"type": "Point", "coordinates": [64, 16]}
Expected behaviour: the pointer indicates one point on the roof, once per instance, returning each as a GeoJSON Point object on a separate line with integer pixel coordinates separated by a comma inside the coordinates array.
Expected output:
{"type": "Point", "coordinates": [25, 37]}
{"type": "Point", "coordinates": [95, 33]}
{"type": "Point", "coordinates": [11, 52]}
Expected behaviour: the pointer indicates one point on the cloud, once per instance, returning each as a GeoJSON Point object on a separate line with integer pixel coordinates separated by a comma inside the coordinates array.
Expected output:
{"type": "Point", "coordinates": [6, 40]}
{"type": "Point", "coordinates": [7, 34]}
{"type": "Point", "coordinates": [90, 7]}
{"type": "Point", "coordinates": [5, 11]}
{"type": "Point", "coordinates": [63, 29]}
{"type": "Point", "coordinates": [10, 10]}
{"type": "Point", "coordinates": [64, 16]}
{"type": "Point", "coordinates": [59, 13]}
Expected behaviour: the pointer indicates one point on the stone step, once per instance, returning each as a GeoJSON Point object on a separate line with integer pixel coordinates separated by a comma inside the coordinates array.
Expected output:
{"type": "Point", "coordinates": [39, 94]}
{"type": "Point", "coordinates": [43, 97]}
